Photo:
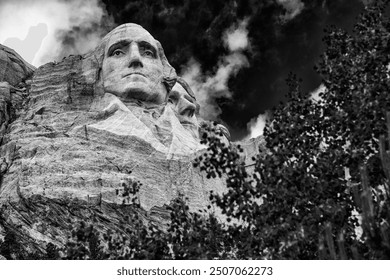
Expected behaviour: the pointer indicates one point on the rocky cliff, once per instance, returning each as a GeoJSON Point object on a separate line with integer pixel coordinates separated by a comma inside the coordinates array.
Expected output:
{"type": "Point", "coordinates": [67, 147]}
{"type": "Point", "coordinates": [64, 158]}
{"type": "Point", "coordinates": [13, 68]}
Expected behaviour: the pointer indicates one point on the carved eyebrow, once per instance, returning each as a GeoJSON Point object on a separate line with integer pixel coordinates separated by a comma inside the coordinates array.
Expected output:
{"type": "Point", "coordinates": [148, 46]}
{"type": "Point", "coordinates": [119, 44]}
{"type": "Point", "coordinates": [124, 43]}
{"type": "Point", "coordinates": [174, 93]}
{"type": "Point", "coordinates": [189, 98]}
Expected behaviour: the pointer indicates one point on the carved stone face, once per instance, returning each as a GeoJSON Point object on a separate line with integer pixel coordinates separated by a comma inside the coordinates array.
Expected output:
{"type": "Point", "coordinates": [185, 107]}
{"type": "Point", "coordinates": [132, 67]}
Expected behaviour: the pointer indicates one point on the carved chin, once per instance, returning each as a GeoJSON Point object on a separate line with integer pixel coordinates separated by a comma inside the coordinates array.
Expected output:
{"type": "Point", "coordinates": [136, 87]}
{"type": "Point", "coordinates": [141, 92]}
{"type": "Point", "coordinates": [187, 122]}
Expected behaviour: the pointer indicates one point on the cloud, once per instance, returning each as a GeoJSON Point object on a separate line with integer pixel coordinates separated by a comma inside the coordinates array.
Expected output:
{"type": "Point", "coordinates": [236, 37]}
{"type": "Point", "coordinates": [208, 88]}
{"type": "Point", "coordinates": [292, 7]}
{"type": "Point", "coordinates": [28, 47]}
{"type": "Point", "coordinates": [74, 27]}
{"type": "Point", "coordinates": [367, 2]}
{"type": "Point", "coordinates": [256, 125]}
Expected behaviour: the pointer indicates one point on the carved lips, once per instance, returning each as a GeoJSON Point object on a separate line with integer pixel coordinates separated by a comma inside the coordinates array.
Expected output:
{"type": "Point", "coordinates": [133, 73]}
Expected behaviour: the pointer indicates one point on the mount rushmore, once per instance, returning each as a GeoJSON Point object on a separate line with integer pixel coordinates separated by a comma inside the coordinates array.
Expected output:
{"type": "Point", "coordinates": [74, 132]}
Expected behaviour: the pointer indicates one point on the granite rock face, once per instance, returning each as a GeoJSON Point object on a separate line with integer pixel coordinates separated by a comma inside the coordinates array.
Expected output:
{"type": "Point", "coordinates": [70, 140]}
{"type": "Point", "coordinates": [68, 146]}
{"type": "Point", "coordinates": [63, 146]}
{"type": "Point", "coordinates": [13, 68]}
{"type": "Point", "coordinates": [65, 138]}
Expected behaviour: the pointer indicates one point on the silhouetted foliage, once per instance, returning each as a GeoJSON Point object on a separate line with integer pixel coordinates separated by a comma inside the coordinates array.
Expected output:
{"type": "Point", "coordinates": [301, 192]}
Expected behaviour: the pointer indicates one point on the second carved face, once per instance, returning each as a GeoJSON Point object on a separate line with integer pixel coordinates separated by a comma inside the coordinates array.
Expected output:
{"type": "Point", "coordinates": [185, 107]}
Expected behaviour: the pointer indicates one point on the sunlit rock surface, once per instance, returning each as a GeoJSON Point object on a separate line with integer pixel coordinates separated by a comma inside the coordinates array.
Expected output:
{"type": "Point", "coordinates": [67, 148]}
{"type": "Point", "coordinates": [67, 145]}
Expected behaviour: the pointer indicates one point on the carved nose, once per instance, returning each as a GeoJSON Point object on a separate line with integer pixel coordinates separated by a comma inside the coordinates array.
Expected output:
{"type": "Point", "coordinates": [187, 108]}
{"type": "Point", "coordinates": [135, 57]}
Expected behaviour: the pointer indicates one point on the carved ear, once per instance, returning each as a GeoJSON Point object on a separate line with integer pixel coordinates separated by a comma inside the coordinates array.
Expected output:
{"type": "Point", "coordinates": [169, 73]}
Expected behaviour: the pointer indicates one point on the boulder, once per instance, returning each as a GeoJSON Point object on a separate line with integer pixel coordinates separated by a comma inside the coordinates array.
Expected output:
{"type": "Point", "coordinates": [13, 68]}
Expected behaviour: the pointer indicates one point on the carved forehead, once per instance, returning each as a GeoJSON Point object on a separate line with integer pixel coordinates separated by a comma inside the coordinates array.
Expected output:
{"type": "Point", "coordinates": [183, 84]}
{"type": "Point", "coordinates": [180, 89]}
{"type": "Point", "coordinates": [129, 32]}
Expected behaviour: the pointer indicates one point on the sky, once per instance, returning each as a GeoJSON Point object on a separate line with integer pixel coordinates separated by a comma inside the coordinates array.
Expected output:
{"type": "Point", "coordinates": [235, 54]}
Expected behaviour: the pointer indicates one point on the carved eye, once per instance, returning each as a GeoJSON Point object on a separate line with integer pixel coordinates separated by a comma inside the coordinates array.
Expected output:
{"type": "Point", "coordinates": [117, 53]}
{"type": "Point", "coordinates": [148, 53]}
{"type": "Point", "coordinates": [173, 98]}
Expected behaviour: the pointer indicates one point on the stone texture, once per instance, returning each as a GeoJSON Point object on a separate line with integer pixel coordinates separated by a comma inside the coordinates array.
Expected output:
{"type": "Point", "coordinates": [68, 145]}
{"type": "Point", "coordinates": [13, 68]}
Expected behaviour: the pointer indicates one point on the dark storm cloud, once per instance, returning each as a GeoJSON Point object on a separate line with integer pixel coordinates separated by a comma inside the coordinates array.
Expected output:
{"type": "Point", "coordinates": [212, 86]}
{"type": "Point", "coordinates": [285, 36]}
